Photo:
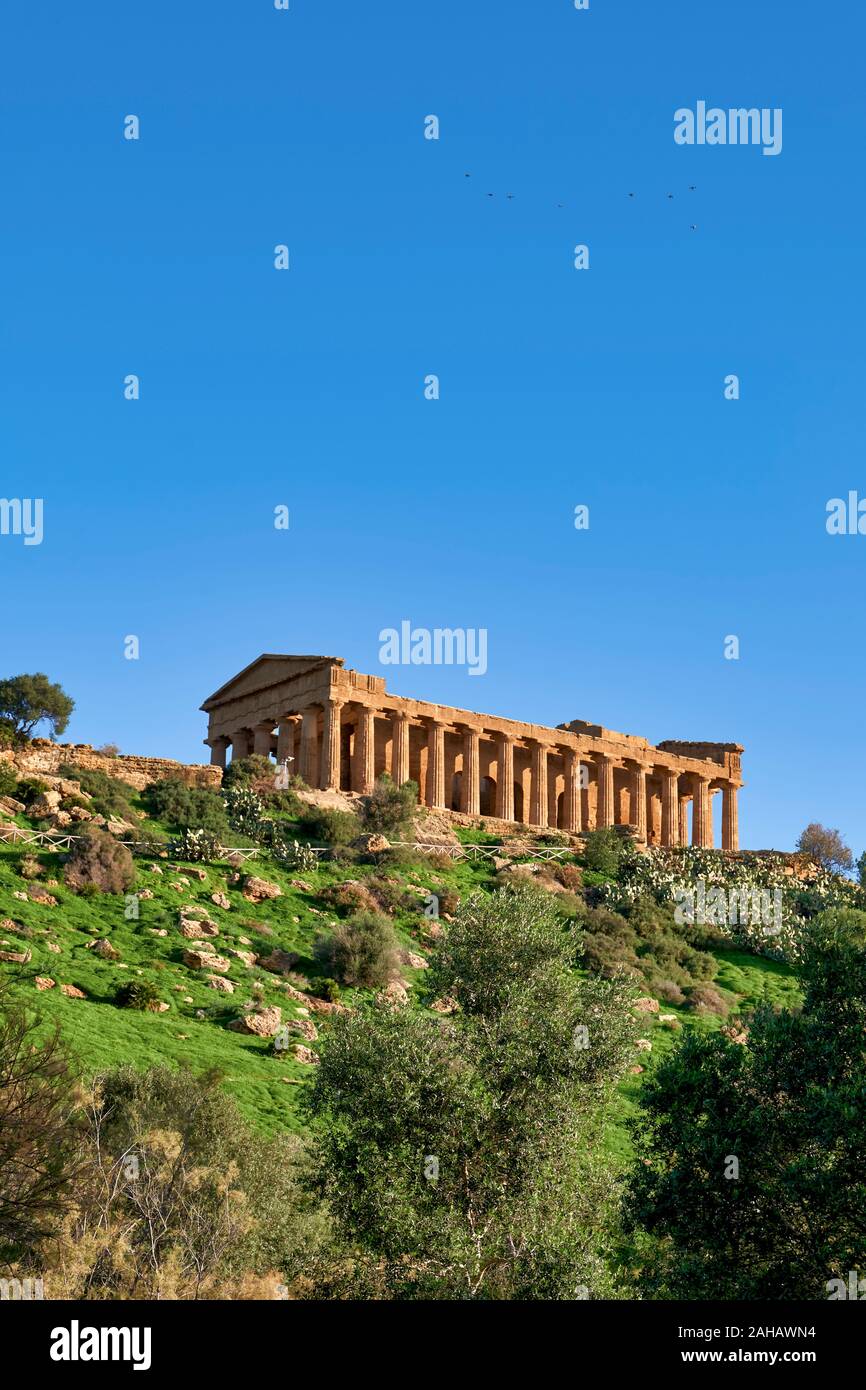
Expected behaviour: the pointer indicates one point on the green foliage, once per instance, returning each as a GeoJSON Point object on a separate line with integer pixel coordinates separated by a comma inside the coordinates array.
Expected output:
{"type": "Point", "coordinates": [245, 811]}
{"type": "Point", "coordinates": [99, 862]}
{"type": "Point", "coordinates": [648, 945]}
{"type": "Point", "coordinates": [8, 781]}
{"type": "Point", "coordinates": [110, 796]}
{"type": "Point", "coordinates": [30, 789]}
{"type": "Point", "coordinates": [460, 1156]}
{"type": "Point", "coordinates": [27, 701]}
{"type": "Point", "coordinates": [360, 951]}
{"type": "Point", "coordinates": [186, 808]}
{"type": "Point", "coordinates": [138, 994]}
{"type": "Point", "coordinates": [389, 808]}
{"type": "Point", "coordinates": [603, 851]}
{"type": "Point", "coordinates": [197, 846]}
{"type": "Point", "coordinates": [334, 827]}
{"type": "Point", "coordinates": [789, 1107]}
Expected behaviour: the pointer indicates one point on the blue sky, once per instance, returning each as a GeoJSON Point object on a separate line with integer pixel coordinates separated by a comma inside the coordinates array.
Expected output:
{"type": "Point", "coordinates": [558, 387]}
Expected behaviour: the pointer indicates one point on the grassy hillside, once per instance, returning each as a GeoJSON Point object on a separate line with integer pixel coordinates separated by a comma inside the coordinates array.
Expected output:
{"type": "Point", "coordinates": [193, 1030]}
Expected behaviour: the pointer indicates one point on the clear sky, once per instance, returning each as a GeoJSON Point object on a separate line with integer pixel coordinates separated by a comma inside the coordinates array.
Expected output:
{"type": "Point", "coordinates": [558, 387]}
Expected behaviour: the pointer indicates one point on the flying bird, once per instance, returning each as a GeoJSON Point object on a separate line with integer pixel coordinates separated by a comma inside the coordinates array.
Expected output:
{"type": "Point", "coordinates": [694, 226]}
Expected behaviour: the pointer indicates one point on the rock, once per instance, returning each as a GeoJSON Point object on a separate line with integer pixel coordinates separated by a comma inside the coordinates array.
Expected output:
{"type": "Point", "coordinates": [248, 957]}
{"type": "Point", "coordinates": [46, 804]}
{"type": "Point", "coordinates": [52, 946]}
{"type": "Point", "coordinates": [217, 982]}
{"type": "Point", "coordinates": [301, 885]}
{"type": "Point", "coordinates": [155, 869]}
{"type": "Point", "coordinates": [669, 1018]}
{"type": "Point", "coordinates": [644, 1045]}
{"type": "Point", "coordinates": [305, 1054]}
{"type": "Point", "coordinates": [45, 982]}
{"type": "Point", "coordinates": [40, 895]}
{"type": "Point", "coordinates": [121, 828]}
{"type": "Point", "coordinates": [371, 844]}
{"type": "Point", "coordinates": [193, 930]}
{"type": "Point", "coordinates": [22, 897]}
{"type": "Point", "coordinates": [72, 992]}
{"type": "Point", "coordinates": [394, 994]}
{"type": "Point", "coordinates": [178, 886]}
{"type": "Point", "coordinates": [245, 941]}
{"type": "Point", "coordinates": [11, 806]}
{"type": "Point", "coordinates": [280, 962]}
{"type": "Point", "coordinates": [161, 1008]}
{"type": "Point", "coordinates": [17, 957]}
{"type": "Point", "coordinates": [221, 900]}
{"type": "Point", "coordinates": [80, 813]}
{"type": "Point", "coordinates": [8, 924]}
{"type": "Point", "coordinates": [305, 1026]}
{"type": "Point", "coordinates": [144, 894]}
{"type": "Point", "coordinates": [189, 872]}
{"type": "Point", "coordinates": [262, 1024]}
{"type": "Point", "coordinates": [646, 1005]}
{"type": "Point", "coordinates": [157, 931]}
{"type": "Point", "coordinates": [636, 1071]}
{"type": "Point", "coordinates": [444, 1006]}
{"type": "Point", "coordinates": [258, 890]}
{"type": "Point", "coordinates": [62, 819]}
{"type": "Point", "coordinates": [104, 948]}
{"type": "Point", "coordinates": [204, 960]}
{"type": "Point", "coordinates": [412, 959]}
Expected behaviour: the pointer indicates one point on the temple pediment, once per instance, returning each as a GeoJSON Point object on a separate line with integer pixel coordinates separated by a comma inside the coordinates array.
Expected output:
{"type": "Point", "coordinates": [269, 669]}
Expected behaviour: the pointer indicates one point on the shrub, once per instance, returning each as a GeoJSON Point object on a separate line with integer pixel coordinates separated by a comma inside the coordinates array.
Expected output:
{"type": "Point", "coordinates": [391, 895]}
{"type": "Point", "coordinates": [138, 994]}
{"type": "Point", "coordinates": [292, 855]}
{"type": "Point", "coordinates": [184, 807]}
{"type": "Point", "coordinates": [108, 750]}
{"type": "Point", "coordinates": [30, 789]}
{"type": "Point", "coordinates": [99, 862]}
{"type": "Point", "coordinates": [361, 951]}
{"type": "Point", "coordinates": [334, 827]}
{"type": "Point", "coordinates": [8, 781]}
{"type": "Point", "coordinates": [350, 896]}
{"type": "Point", "coordinates": [603, 851]}
{"type": "Point", "coordinates": [245, 811]}
{"type": "Point", "coordinates": [326, 988]}
{"type": "Point", "coordinates": [30, 867]}
{"type": "Point", "coordinates": [569, 875]}
{"type": "Point", "coordinates": [197, 846]}
{"type": "Point", "coordinates": [826, 847]}
{"type": "Point", "coordinates": [706, 1000]}
{"type": "Point", "coordinates": [389, 808]}
{"type": "Point", "coordinates": [109, 796]}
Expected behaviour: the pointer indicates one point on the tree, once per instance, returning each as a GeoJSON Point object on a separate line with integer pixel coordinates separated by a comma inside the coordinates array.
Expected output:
{"type": "Point", "coordinates": [826, 847]}
{"type": "Point", "coordinates": [750, 1180]}
{"type": "Point", "coordinates": [389, 808]}
{"type": "Point", "coordinates": [26, 701]}
{"type": "Point", "coordinates": [39, 1155]}
{"type": "Point", "coordinates": [460, 1155]}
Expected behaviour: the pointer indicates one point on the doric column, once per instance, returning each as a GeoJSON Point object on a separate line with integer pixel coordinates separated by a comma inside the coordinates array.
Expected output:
{"type": "Point", "coordinates": [218, 750]}
{"type": "Point", "coordinates": [605, 813]}
{"type": "Point", "coordinates": [504, 778]}
{"type": "Point", "coordinates": [309, 760]}
{"type": "Point", "coordinates": [262, 738]}
{"type": "Point", "coordinates": [637, 806]}
{"type": "Point", "coordinates": [400, 748]}
{"type": "Point", "coordinates": [670, 806]}
{"type": "Point", "coordinates": [436, 764]}
{"type": "Point", "coordinates": [730, 827]}
{"type": "Point", "coordinates": [365, 751]}
{"type": "Point", "coordinates": [684, 820]}
{"type": "Point", "coordinates": [331, 745]}
{"type": "Point", "coordinates": [470, 782]}
{"type": "Point", "coordinates": [286, 733]}
{"type": "Point", "coordinates": [240, 744]}
{"type": "Point", "coordinates": [538, 787]}
{"type": "Point", "coordinates": [702, 816]}
{"type": "Point", "coordinates": [571, 819]}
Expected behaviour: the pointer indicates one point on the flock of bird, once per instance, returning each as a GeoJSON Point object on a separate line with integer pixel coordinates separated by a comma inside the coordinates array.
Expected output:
{"type": "Point", "coordinates": [692, 188]}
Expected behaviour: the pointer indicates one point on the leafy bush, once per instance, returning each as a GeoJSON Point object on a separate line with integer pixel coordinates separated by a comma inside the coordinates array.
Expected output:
{"type": "Point", "coordinates": [603, 851]}
{"type": "Point", "coordinates": [706, 1000]}
{"type": "Point", "coordinates": [389, 808]}
{"type": "Point", "coordinates": [361, 951]}
{"type": "Point", "coordinates": [826, 847]}
{"type": "Point", "coordinates": [197, 846]}
{"type": "Point", "coordinates": [350, 896]}
{"type": "Point", "coordinates": [292, 855]}
{"type": "Point", "coordinates": [184, 807]}
{"type": "Point", "coordinates": [30, 789]}
{"type": "Point", "coordinates": [138, 994]}
{"type": "Point", "coordinates": [334, 827]}
{"type": "Point", "coordinates": [326, 988]}
{"type": "Point", "coordinates": [245, 811]}
{"type": "Point", "coordinates": [8, 781]}
{"type": "Point", "coordinates": [99, 862]}
{"type": "Point", "coordinates": [110, 796]}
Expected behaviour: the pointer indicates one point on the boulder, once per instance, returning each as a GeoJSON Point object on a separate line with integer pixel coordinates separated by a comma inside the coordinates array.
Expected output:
{"type": "Point", "coordinates": [394, 994]}
{"type": "Point", "coordinates": [264, 1023]}
{"type": "Point", "coordinates": [221, 900]}
{"type": "Point", "coordinates": [45, 982]}
{"type": "Point", "coordinates": [46, 804]}
{"type": "Point", "coordinates": [52, 946]}
{"type": "Point", "coordinates": [72, 992]}
{"type": "Point", "coordinates": [104, 948]}
{"type": "Point", "coordinates": [412, 959]}
{"type": "Point", "coordinates": [371, 844]}
{"type": "Point", "coordinates": [204, 960]}
{"type": "Point", "coordinates": [38, 894]}
{"type": "Point", "coordinates": [17, 957]}
{"type": "Point", "coordinates": [644, 1045]}
{"type": "Point", "coordinates": [444, 1006]}
{"type": "Point", "coordinates": [280, 962]}
{"type": "Point", "coordinates": [305, 1026]}
{"type": "Point", "coordinates": [219, 983]}
{"type": "Point", "coordinates": [646, 1005]}
{"type": "Point", "coordinates": [11, 806]}
{"type": "Point", "coordinates": [194, 930]}
{"type": "Point", "coordinates": [248, 957]}
{"type": "Point", "coordinates": [259, 890]}
{"type": "Point", "coordinates": [305, 1055]}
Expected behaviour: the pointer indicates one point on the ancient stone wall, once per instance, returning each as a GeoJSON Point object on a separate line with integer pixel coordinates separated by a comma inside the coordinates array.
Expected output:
{"type": "Point", "coordinates": [43, 756]}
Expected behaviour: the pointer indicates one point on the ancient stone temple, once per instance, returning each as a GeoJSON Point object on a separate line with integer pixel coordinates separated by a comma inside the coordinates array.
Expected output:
{"type": "Point", "coordinates": [341, 730]}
